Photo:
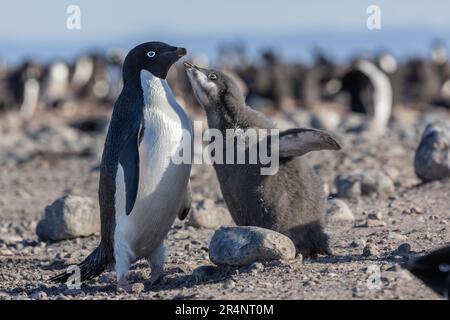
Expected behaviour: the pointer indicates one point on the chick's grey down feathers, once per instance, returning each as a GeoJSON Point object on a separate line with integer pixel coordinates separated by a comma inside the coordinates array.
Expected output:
{"type": "Point", "coordinates": [292, 201]}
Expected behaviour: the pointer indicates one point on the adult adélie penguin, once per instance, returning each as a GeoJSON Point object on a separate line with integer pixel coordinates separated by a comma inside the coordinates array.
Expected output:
{"type": "Point", "coordinates": [141, 190]}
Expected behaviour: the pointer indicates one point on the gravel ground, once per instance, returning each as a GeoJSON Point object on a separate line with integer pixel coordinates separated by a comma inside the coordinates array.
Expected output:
{"type": "Point", "coordinates": [365, 264]}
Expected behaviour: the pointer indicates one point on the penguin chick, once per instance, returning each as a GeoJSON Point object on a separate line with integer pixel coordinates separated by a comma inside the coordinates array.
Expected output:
{"type": "Point", "coordinates": [141, 190]}
{"type": "Point", "coordinates": [292, 201]}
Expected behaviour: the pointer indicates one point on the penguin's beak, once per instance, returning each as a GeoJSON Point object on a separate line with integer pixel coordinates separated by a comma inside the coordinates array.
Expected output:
{"type": "Point", "coordinates": [181, 52]}
{"type": "Point", "coordinates": [189, 65]}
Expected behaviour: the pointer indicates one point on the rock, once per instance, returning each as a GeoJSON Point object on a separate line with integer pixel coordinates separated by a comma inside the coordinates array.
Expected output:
{"type": "Point", "coordinates": [137, 288]}
{"type": "Point", "coordinates": [328, 120]}
{"type": "Point", "coordinates": [403, 249]}
{"type": "Point", "coordinates": [239, 246]}
{"type": "Point", "coordinates": [5, 252]}
{"type": "Point", "coordinates": [364, 183]}
{"type": "Point", "coordinates": [10, 239]}
{"type": "Point", "coordinates": [356, 243]}
{"type": "Point", "coordinates": [371, 223]}
{"type": "Point", "coordinates": [40, 295]}
{"type": "Point", "coordinates": [229, 284]}
{"type": "Point", "coordinates": [338, 212]}
{"type": "Point", "coordinates": [416, 210]}
{"type": "Point", "coordinates": [202, 273]}
{"type": "Point", "coordinates": [207, 215]}
{"type": "Point", "coordinates": [370, 250]}
{"type": "Point", "coordinates": [432, 158]}
{"type": "Point", "coordinates": [396, 236]}
{"type": "Point", "coordinates": [69, 217]}
{"type": "Point", "coordinates": [377, 215]}
{"type": "Point", "coordinates": [256, 267]}
{"type": "Point", "coordinates": [348, 186]}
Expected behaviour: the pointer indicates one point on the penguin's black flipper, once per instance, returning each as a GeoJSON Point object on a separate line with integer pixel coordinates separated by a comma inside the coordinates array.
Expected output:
{"type": "Point", "coordinates": [186, 208]}
{"type": "Point", "coordinates": [129, 160]}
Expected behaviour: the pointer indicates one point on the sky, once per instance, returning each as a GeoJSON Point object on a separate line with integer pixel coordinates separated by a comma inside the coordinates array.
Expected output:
{"type": "Point", "coordinates": [38, 28]}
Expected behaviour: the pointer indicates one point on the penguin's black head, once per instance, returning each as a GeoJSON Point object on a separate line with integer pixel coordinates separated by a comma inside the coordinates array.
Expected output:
{"type": "Point", "coordinates": [213, 88]}
{"type": "Point", "coordinates": [155, 57]}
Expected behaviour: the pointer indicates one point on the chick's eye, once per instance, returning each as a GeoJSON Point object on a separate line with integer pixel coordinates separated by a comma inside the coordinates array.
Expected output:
{"type": "Point", "coordinates": [212, 76]}
{"type": "Point", "coordinates": [151, 54]}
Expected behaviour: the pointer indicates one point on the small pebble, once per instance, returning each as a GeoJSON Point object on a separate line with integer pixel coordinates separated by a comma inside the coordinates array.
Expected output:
{"type": "Point", "coordinates": [374, 223]}
{"type": "Point", "coordinates": [229, 284]}
{"type": "Point", "coordinates": [256, 267]}
{"type": "Point", "coordinates": [357, 243]}
{"type": "Point", "coordinates": [370, 250]}
{"type": "Point", "coordinates": [375, 215]}
{"type": "Point", "coordinates": [137, 288]}
{"type": "Point", "coordinates": [404, 249]}
{"type": "Point", "coordinates": [40, 295]}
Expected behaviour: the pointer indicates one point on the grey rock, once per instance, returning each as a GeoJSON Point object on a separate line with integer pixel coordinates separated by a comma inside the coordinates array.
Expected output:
{"type": "Point", "coordinates": [396, 236]}
{"type": "Point", "coordinates": [370, 250]}
{"type": "Point", "coordinates": [239, 246]}
{"type": "Point", "coordinates": [348, 186]}
{"type": "Point", "coordinates": [376, 215]}
{"type": "Point", "coordinates": [207, 215]}
{"type": "Point", "coordinates": [256, 267]}
{"type": "Point", "coordinates": [229, 284]}
{"type": "Point", "coordinates": [326, 120]}
{"type": "Point", "coordinates": [5, 252]}
{"type": "Point", "coordinates": [338, 212]}
{"type": "Point", "coordinates": [40, 295]}
{"type": "Point", "coordinates": [364, 183]}
{"type": "Point", "coordinates": [356, 243]}
{"type": "Point", "coordinates": [10, 239]}
{"type": "Point", "coordinates": [432, 158]}
{"type": "Point", "coordinates": [69, 217]}
{"type": "Point", "coordinates": [403, 249]}
{"type": "Point", "coordinates": [202, 273]}
{"type": "Point", "coordinates": [371, 223]}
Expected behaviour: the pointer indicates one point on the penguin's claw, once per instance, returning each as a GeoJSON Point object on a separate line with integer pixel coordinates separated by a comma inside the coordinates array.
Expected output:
{"type": "Point", "coordinates": [158, 274]}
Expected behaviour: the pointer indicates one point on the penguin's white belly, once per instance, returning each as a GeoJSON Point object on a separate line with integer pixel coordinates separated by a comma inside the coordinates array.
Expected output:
{"type": "Point", "coordinates": [162, 184]}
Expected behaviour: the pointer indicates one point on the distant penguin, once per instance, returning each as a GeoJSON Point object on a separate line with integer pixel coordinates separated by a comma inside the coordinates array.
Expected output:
{"type": "Point", "coordinates": [24, 84]}
{"type": "Point", "coordinates": [6, 99]}
{"type": "Point", "coordinates": [422, 82]}
{"type": "Point", "coordinates": [387, 63]}
{"type": "Point", "coordinates": [370, 92]}
{"type": "Point", "coordinates": [315, 79]}
{"type": "Point", "coordinates": [56, 84]}
{"type": "Point", "coordinates": [291, 201]}
{"type": "Point", "coordinates": [434, 270]}
{"type": "Point", "coordinates": [83, 72]}
{"type": "Point", "coordinates": [141, 190]}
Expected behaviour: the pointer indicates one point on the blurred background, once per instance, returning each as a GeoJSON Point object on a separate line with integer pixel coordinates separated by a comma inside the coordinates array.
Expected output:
{"type": "Point", "coordinates": [283, 53]}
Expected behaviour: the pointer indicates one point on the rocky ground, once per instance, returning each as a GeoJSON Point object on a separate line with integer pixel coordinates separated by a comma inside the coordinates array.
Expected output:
{"type": "Point", "coordinates": [393, 216]}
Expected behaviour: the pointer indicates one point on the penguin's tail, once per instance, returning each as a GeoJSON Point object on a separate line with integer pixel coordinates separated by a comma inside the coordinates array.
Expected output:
{"type": "Point", "coordinates": [91, 267]}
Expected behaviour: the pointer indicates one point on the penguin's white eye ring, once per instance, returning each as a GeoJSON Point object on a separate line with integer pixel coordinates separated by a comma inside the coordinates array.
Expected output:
{"type": "Point", "coordinates": [151, 54]}
{"type": "Point", "coordinates": [212, 76]}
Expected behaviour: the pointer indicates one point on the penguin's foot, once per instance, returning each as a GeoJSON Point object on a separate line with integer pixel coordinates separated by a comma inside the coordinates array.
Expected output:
{"type": "Point", "coordinates": [159, 273]}
{"type": "Point", "coordinates": [123, 284]}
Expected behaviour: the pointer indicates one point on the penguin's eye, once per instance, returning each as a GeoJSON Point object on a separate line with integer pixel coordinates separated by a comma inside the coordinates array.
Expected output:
{"type": "Point", "coordinates": [151, 54]}
{"type": "Point", "coordinates": [212, 76]}
{"type": "Point", "coordinates": [444, 267]}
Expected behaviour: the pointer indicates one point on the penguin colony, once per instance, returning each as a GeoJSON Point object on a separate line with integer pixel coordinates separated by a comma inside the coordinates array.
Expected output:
{"type": "Point", "coordinates": [145, 130]}
{"type": "Point", "coordinates": [372, 85]}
